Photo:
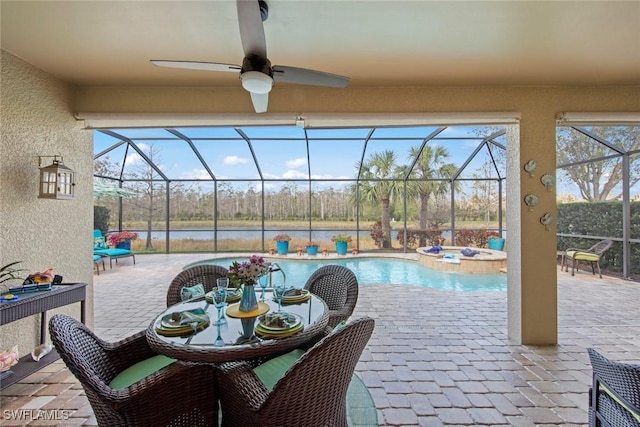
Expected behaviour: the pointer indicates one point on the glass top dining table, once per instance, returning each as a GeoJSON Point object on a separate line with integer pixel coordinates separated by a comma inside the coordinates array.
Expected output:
{"type": "Point", "coordinates": [205, 346]}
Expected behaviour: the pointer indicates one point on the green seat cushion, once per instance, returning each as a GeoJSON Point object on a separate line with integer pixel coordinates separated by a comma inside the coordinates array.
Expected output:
{"type": "Point", "coordinates": [606, 390]}
{"type": "Point", "coordinates": [96, 258]}
{"type": "Point", "coordinates": [140, 370]}
{"type": "Point", "coordinates": [271, 371]}
{"type": "Point", "coordinates": [583, 256]}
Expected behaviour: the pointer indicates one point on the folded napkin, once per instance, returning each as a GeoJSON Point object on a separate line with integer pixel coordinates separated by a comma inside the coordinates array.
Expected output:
{"type": "Point", "coordinates": [291, 292]}
{"type": "Point", "coordinates": [469, 252]}
{"type": "Point", "coordinates": [187, 317]}
{"type": "Point", "coordinates": [434, 249]}
{"type": "Point", "coordinates": [278, 320]}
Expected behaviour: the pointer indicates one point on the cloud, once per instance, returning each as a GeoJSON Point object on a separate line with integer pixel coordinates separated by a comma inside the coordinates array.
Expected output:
{"type": "Point", "coordinates": [195, 174]}
{"type": "Point", "coordinates": [296, 163]}
{"type": "Point", "coordinates": [235, 160]}
{"type": "Point", "coordinates": [294, 175]}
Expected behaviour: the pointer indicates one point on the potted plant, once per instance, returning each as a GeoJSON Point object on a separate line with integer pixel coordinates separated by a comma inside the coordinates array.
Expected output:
{"type": "Point", "coordinates": [342, 242]}
{"type": "Point", "coordinates": [282, 243]}
{"type": "Point", "coordinates": [312, 248]}
{"type": "Point", "coordinates": [122, 239]}
{"type": "Point", "coordinates": [9, 272]}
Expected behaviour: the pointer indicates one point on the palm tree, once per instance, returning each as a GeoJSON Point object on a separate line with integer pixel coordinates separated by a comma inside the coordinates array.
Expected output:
{"type": "Point", "coordinates": [430, 166]}
{"type": "Point", "coordinates": [380, 178]}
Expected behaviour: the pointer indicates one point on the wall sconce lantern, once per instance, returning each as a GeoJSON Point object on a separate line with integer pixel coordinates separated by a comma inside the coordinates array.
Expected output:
{"type": "Point", "coordinates": [56, 180]}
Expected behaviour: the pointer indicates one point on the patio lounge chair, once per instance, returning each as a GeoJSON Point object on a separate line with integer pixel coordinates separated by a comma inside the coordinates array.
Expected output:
{"type": "Point", "coordinates": [296, 389]}
{"type": "Point", "coordinates": [591, 255]}
{"type": "Point", "coordinates": [127, 384]}
{"type": "Point", "coordinates": [100, 248]}
{"type": "Point", "coordinates": [205, 274]}
{"type": "Point", "coordinates": [96, 263]}
{"type": "Point", "coordinates": [614, 398]}
{"type": "Point", "coordinates": [338, 288]}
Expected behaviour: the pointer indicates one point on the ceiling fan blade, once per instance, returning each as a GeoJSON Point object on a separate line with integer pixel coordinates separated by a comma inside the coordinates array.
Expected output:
{"type": "Point", "coordinates": [260, 101]}
{"type": "Point", "coordinates": [251, 28]}
{"type": "Point", "coordinates": [303, 76]}
{"type": "Point", "coordinates": [196, 65]}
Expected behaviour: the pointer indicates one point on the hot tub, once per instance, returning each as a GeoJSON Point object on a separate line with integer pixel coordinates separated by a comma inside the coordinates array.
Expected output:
{"type": "Point", "coordinates": [450, 259]}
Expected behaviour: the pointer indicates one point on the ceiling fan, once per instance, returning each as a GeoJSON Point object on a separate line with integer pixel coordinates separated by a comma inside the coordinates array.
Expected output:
{"type": "Point", "coordinates": [256, 73]}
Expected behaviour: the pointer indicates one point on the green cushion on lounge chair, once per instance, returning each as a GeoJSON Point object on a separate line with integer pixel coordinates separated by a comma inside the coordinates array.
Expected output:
{"type": "Point", "coordinates": [271, 371]}
{"type": "Point", "coordinates": [606, 390]}
{"type": "Point", "coordinates": [140, 370]}
{"type": "Point", "coordinates": [96, 258]}
{"type": "Point", "coordinates": [583, 256]}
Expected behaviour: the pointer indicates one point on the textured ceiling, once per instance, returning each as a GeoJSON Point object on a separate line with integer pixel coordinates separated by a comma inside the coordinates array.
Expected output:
{"type": "Point", "coordinates": [376, 43]}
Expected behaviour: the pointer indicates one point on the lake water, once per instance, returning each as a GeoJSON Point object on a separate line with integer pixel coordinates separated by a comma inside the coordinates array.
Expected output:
{"type": "Point", "coordinates": [384, 271]}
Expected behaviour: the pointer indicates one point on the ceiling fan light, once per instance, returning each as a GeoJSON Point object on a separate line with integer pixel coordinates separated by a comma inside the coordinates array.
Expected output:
{"type": "Point", "coordinates": [256, 82]}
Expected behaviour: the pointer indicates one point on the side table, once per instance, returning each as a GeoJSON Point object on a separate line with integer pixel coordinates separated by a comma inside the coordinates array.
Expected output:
{"type": "Point", "coordinates": [33, 303]}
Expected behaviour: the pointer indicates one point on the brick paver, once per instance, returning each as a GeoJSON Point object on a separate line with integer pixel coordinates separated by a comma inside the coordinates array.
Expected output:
{"type": "Point", "coordinates": [436, 358]}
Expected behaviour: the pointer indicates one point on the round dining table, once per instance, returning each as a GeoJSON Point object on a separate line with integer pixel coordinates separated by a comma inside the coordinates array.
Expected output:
{"type": "Point", "coordinates": [224, 343]}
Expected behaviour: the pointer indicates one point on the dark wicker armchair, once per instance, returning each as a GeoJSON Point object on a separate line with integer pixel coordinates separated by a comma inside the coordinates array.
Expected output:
{"type": "Point", "coordinates": [176, 395]}
{"type": "Point", "coordinates": [338, 287]}
{"type": "Point", "coordinates": [312, 392]}
{"type": "Point", "coordinates": [591, 255]}
{"type": "Point", "coordinates": [205, 274]}
{"type": "Point", "coordinates": [614, 399]}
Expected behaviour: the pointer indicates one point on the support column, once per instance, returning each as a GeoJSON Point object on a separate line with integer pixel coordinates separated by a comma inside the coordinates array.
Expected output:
{"type": "Point", "coordinates": [532, 271]}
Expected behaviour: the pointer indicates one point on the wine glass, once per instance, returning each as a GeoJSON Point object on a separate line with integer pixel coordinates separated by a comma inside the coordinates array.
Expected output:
{"type": "Point", "coordinates": [220, 299]}
{"type": "Point", "coordinates": [264, 282]}
{"type": "Point", "coordinates": [278, 290]}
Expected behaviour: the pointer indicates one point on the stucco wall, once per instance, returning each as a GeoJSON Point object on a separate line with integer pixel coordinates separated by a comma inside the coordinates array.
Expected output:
{"type": "Point", "coordinates": [36, 119]}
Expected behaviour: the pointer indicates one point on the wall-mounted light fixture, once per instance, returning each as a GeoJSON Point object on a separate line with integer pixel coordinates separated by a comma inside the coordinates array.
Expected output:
{"type": "Point", "coordinates": [56, 180]}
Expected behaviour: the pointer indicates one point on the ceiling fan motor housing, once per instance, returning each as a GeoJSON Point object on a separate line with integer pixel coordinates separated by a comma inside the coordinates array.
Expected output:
{"type": "Point", "coordinates": [256, 74]}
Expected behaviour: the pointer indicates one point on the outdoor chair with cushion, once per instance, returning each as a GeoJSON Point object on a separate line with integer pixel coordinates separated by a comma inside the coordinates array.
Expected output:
{"type": "Point", "coordinates": [100, 248]}
{"type": "Point", "coordinates": [338, 287]}
{"type": "Point", "coordinates": [97, 259]}
{"type": "Point", "coordinates": [591, 255]}
{"type": "Point", "coordinates": [614, 398]}
{"type": "Point", "coordinates": [127, 384]}
{"type": "Point", "coordinates": [205, 274]}
{"type": "Point", "coordinates": [296, 389]}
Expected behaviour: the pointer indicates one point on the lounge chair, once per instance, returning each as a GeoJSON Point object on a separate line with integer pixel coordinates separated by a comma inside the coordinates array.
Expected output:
{"type": "Point", "coordinates": [100, 248]}
{"type": "Point", "coordinates": [96, 263]}
{"type": "Point", "coordinates": [591, 255]}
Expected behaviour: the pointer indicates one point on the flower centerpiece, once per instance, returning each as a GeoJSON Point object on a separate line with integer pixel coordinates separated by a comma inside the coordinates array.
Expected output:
{"type": "Point", "coordinates": [122, 239]}
{"type": "Point", "coordinates": [246, 274]}
{"type": "Point", "coordinates": [282, 243]}
{"type": "Point", "coordinates": [342, 242]}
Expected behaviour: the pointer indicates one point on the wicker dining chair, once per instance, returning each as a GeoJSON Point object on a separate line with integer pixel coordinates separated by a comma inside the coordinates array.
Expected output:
{"type": "Point", "coordinates": [338, 287]}
{"type": "Point", "coordinates": [206, 274]}
{"type": "Point", "coordinates": [614, 398]}
{"type": "Point", "coordinates": [312, 392]}
{"type": "Point", "coordinates": [175, 395]}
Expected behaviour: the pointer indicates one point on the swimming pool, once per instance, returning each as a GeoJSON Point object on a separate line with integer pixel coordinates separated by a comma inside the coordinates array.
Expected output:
{"type": "Point", "coordinates": [383, 271]}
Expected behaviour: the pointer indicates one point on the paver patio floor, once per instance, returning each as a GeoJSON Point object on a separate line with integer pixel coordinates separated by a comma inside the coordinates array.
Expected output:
{"type": "Point", "coordinates": [435, 358]}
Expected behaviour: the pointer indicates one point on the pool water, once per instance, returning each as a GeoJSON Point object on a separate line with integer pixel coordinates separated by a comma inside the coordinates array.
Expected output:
{"type": "Point", "coordinates": [384, 271]}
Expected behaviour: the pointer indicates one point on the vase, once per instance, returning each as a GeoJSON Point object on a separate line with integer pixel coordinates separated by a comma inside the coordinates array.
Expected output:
{"type": "Point", "coordinates": [341, 248]}
{"type": "Point", "coordinates": [124, 245]}
{"type": "Point", "coordinates": [312, 250]}
{"type": "Point", "coordinates": [249, 300]}
{"type": "Point", "coordinates": [282, 248]}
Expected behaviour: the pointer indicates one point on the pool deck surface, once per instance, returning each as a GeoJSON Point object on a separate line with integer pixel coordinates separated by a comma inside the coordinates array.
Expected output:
{"type": "Point", "coordinates": [436, 357]}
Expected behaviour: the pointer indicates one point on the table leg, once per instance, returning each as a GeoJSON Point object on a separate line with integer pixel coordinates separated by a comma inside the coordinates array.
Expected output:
{"type": "Point", "coordinates": [43, 327]}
